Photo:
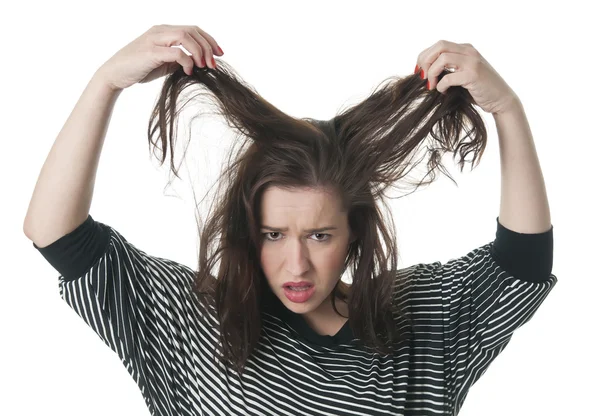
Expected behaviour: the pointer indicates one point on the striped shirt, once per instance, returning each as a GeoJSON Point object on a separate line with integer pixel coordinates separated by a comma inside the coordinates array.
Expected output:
{"type": "Point", "coordinates": [464, 313]}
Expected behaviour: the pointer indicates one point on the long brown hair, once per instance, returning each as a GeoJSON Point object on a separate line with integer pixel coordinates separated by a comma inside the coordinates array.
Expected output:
{"type": "Point", "coordinates": [357, 155]}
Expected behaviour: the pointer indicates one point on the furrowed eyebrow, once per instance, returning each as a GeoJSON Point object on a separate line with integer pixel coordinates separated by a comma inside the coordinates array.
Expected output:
{"type": "Point", "coordinates": [312, 230]}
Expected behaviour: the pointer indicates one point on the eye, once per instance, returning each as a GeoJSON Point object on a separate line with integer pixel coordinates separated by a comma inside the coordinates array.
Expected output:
{"type": "Point", "coordinates": [322, 235]}
{"type": "Point", "coordinates": [320, 240]}
{"type": "Point", "coordinates": [269, 239]}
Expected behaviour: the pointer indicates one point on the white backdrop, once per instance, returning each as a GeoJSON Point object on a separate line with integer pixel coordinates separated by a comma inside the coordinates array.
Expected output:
{"type": "Point", "coordinates": [309, 59]}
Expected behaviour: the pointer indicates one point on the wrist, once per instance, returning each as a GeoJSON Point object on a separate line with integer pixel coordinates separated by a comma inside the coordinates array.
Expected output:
{"type": "Point", "coordinates": [100, 81]}
{"type": "Point", "coordinates": [513, 105]}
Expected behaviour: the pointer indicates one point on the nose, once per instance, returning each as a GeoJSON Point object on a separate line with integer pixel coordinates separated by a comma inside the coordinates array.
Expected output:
{"type": "Point", "coordinates": [296, 256]}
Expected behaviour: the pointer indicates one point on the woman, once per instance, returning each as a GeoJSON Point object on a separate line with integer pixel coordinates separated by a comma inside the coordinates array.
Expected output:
{"type": "Point", "coordinates": [275, 330]}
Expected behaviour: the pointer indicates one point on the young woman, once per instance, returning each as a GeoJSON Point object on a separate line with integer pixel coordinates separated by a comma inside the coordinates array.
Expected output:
{"type": "Point", "coordinates": [272, 329]}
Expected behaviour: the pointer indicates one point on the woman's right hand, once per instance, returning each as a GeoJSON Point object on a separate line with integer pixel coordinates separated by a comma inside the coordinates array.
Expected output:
{"type": "Point", "coordinates": [152, 56]}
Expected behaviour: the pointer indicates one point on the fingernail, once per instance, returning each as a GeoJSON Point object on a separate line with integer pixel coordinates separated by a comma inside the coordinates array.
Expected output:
{"type": "Point", "coordinates": [422, 74]}
{"type": "Point", "coordinates": [202, 62]}
{"type": "Point", "coordinates": [416, 68]}
{"type": "Point", "coordinates": [220, 50]}
{"type": "Point", "coordinates": [213, 61]}
{"type": "Point", "coordinates": [428, 87]}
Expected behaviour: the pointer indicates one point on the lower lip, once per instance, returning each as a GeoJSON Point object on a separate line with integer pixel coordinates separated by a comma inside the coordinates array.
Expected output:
{"type": "Point", "coordinates": [298, 296]}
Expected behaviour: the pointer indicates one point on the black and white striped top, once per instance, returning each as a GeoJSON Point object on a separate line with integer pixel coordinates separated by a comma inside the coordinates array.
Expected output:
{"type": "Point", "coordinates": [464, 311]}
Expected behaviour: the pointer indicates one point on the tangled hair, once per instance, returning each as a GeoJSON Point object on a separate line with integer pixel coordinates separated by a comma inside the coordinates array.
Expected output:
{"type": "Point", "coordinates": [357, 155]}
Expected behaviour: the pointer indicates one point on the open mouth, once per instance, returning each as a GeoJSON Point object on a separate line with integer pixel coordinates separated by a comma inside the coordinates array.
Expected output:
{"type": "Point", "coordinates": [299, 294]}
{"type": "Point", "coordinates": [298, 288]}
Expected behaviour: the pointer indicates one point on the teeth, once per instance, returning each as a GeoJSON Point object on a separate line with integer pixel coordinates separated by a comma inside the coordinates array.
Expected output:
{"type": "Point", "coordinates": [299, 289]}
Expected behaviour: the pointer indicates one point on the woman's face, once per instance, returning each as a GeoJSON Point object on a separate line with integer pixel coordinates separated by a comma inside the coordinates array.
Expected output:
{"type": "Point", "coordinates": [292, 253]}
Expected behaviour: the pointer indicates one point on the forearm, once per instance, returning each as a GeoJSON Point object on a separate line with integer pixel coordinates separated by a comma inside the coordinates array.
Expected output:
{"type": "Point", "coordinates": [63, 193]}
{"type": "Point", "coordinates": [523, 202]}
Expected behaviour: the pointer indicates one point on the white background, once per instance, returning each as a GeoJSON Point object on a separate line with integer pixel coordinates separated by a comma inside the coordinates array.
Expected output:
{"type": "Point", "coordinates": [309, 59]}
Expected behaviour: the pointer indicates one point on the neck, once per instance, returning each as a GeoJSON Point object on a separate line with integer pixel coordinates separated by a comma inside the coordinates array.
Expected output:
{"type": "Point", "coordinates": [325, 320]}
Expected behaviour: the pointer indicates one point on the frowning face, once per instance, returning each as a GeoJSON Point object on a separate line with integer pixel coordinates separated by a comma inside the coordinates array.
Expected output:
{"type": "Point", "coordinates": [305, 238]}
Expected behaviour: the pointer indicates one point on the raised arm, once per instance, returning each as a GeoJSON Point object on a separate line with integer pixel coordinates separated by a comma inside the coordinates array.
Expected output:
{"type": "Point", "coordinates": [63, 193]}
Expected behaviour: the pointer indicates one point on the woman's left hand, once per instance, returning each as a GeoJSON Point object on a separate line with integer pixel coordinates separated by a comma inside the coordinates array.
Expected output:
{"type": "Point", "coordinates": [471, 71]}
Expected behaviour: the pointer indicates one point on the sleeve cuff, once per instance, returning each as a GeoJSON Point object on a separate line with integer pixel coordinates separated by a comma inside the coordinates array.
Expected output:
{"type": "Point", "coordinates": [526, 256]}
{"type": "Point", "coordinates": [73, 254]}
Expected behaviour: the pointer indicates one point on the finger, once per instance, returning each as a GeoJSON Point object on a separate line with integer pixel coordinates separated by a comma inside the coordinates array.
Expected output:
{"type": "Point", "coordinates": [448, 60]}
{"type": "Point", "coordinates": [209, 46]}
{"type": "Point", "coordinates": [452, 80]}
{"type": "Point", "coordinates": [168, 54]}
{"type": "Point", "coordinates": [213, 43]}
{"type": "Point", "coordinates": [428, 56]}
{"type": "Point", "coordinates": [175, 36]}
{"type": "Point", "coordinates": [207, 49]}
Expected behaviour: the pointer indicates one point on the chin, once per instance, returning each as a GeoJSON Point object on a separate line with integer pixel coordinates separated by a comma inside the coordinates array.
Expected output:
{"type": "Point", "coordinates": [304, 307]}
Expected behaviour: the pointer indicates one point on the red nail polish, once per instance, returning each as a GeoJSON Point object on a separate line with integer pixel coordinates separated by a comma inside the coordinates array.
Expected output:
{"type": "Point", "coordinates": [213, 61]}
{"type": "Point", "coordinates": [202, 62]}
{"type": "Point", "coordinates": [422, 74]}
{"type": "Point", "coordinates": [416, 68]}
{"type": "Point", "coordinates": [220, 50]}
{"type": "Point", "coordinates": [428, 87]}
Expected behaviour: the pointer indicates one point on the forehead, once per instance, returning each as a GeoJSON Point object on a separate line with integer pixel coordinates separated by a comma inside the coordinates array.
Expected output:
{"type": "Point", "coordinates": [309, 201]}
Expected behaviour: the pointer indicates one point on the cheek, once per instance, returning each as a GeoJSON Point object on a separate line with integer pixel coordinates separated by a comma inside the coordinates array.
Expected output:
{"type": "Point", "coordinates": [332, 259]}
{"type": "Point", "coordinates": [270, 264]}
{"type": "Point", "coordinates": [266, 257]}
{"type": "Point", "coordinates": [339, 255]}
